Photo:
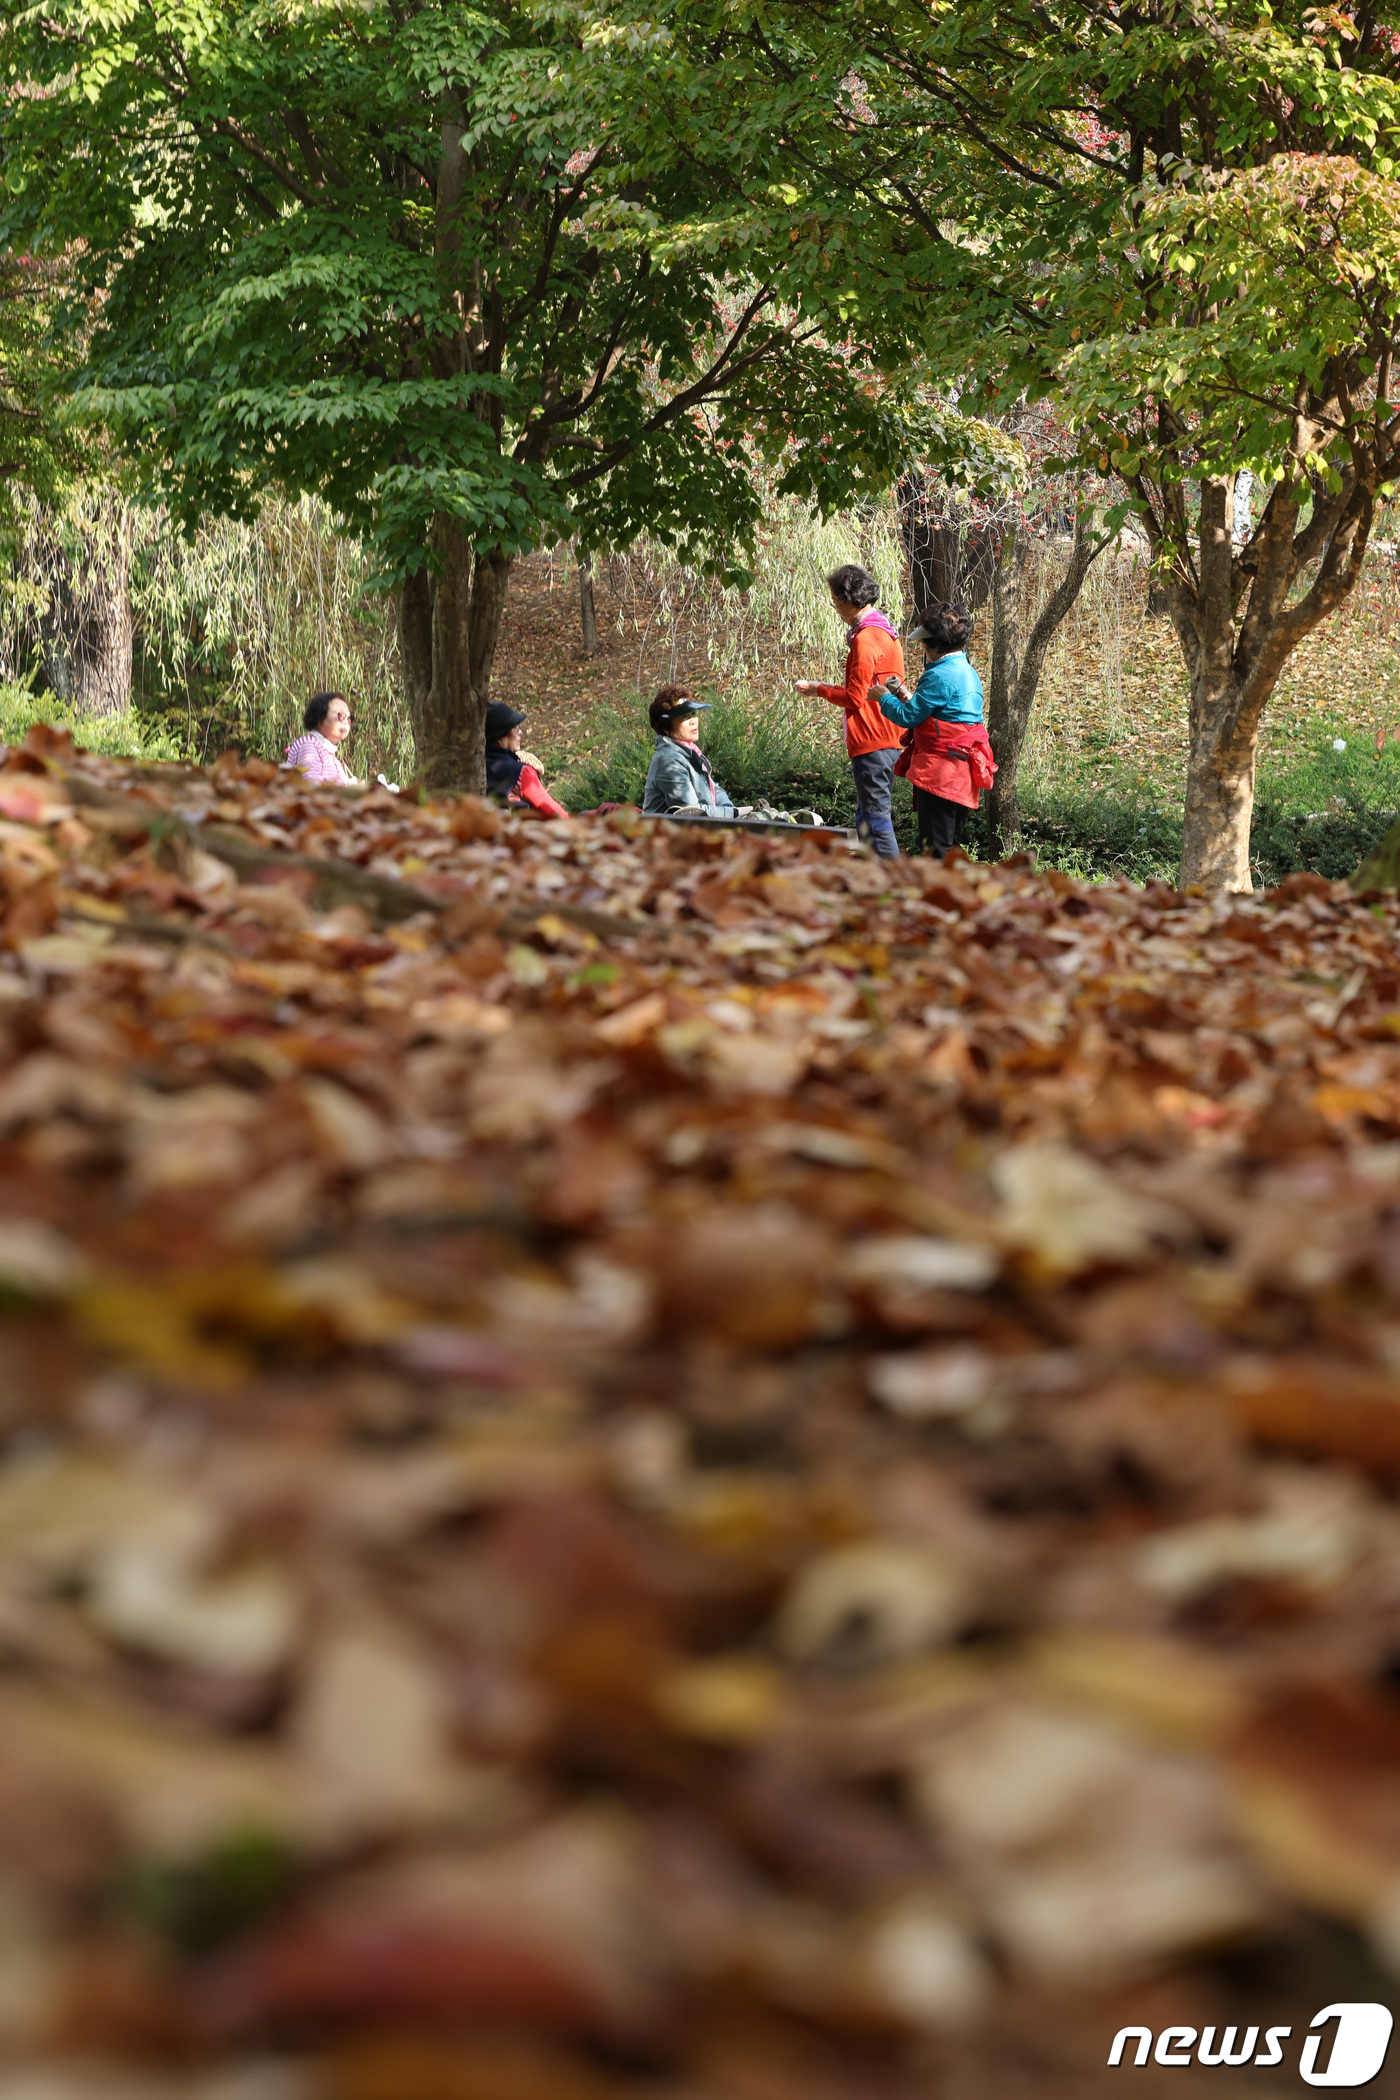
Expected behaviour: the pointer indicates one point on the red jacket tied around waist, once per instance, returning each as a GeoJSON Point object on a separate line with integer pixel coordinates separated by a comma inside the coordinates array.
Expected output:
{"type": "Point", "coordinates": [953, 760]}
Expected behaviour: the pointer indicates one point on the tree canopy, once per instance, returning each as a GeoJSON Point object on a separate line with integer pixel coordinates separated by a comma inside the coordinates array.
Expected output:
{"type": "Point", "coordinates": [1178, 221]}
{"type": "Point", "coordinates": [39, 455]}
{"type": "Point", "coordinates": [346, 249]}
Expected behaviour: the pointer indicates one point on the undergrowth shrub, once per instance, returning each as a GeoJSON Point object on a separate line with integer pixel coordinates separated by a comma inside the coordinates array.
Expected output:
{"type": "Point", "coordinates": [127, 735]}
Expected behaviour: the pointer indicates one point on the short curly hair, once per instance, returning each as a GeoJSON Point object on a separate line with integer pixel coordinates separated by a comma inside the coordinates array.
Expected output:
{"type": "Point", "coordinates": [663, 711]}
{"type": "Point", "coordinates": [857, 586]}
{"type": "Point", "coordinates": [947, 626]}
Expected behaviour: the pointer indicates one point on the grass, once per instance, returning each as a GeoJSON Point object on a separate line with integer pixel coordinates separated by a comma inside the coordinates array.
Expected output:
{"type": "Point", "coordinates": [128, 735]}
{"type": "Point", "coordinates": [1101, 817]}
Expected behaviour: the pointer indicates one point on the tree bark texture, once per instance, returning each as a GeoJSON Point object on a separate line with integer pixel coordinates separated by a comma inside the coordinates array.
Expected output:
{"type": "Point", "coordinates": [85, 633]}
{"type": "Point", "coordinates": [449, 624]}
{"type": "Point", "coordinates": [1016, 669]}
{"type": "Point", "coordinates": [1219, 805]}
{"type": "Point", "coordinates": [950, 561]}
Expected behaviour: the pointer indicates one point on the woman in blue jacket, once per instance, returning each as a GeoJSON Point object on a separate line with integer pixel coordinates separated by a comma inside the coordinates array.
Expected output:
{"type": "Point", "coordinates": [947, 757]}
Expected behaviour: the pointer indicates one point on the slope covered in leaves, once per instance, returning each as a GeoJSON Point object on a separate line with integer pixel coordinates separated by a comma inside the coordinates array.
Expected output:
{"type": "Point", "coordinates": [645, 1463]}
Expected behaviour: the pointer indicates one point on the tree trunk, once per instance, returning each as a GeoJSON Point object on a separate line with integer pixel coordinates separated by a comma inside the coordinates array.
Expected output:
{"type": "Point", "coordinates": [102, 642]}
{"type": "Point", "coordinates": [950, 562]}
{"type": "Point", "coordinates": [449, 622]}
{"type": "Point", "coordinates": [1015, 673]}
{"type": "Point", "coordinates": [85, 632]}
{"type": "Point", "coordinates": [1003, 806]}
{"type": "Point", "coordinates": [1224, 713]}
{"type": "Point", "coordinates": [588, 612]}
{"type": "Point", "coordinates": [449, 614]}
{"type": "Point", "coordinates": [1219, 794]}
{"type": "Point", "coordinates": [413, 609]}
{"type": "Point", "coordinates": [1381, 868]}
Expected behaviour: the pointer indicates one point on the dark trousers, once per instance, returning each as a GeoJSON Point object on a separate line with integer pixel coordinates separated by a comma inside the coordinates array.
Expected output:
{"type": "Point", "coordinates": [940, 822]}
{"type": "Point", "coordinates": [874, 771]}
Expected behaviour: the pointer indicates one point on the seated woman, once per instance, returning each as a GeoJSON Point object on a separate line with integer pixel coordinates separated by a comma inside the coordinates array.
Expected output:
{"type": "Point", "coordinates": [326, 723]}
{"type": "Point", "coordinates": [947, 756]}
{"type": "Point", "coordinates": [509, 776]}
{"type": "Point", "coordinates": [679, 776]}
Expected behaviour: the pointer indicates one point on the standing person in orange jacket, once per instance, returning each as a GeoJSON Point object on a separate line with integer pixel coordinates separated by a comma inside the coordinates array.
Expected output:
{"type": "Point", "coordinates": [875, 654]}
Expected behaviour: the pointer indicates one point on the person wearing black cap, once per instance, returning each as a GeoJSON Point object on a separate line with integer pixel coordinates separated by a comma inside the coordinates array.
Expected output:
{"type": "Point", "coordinates": [509, 776]}
{"type": "Point", "coordinates": [680, 776]}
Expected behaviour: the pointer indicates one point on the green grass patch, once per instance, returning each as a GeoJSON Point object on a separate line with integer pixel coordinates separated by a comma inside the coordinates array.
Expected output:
{"type": "Point", "coordinates": [1315, 808]}
{"type": "Point", "coordinates": [1319, 808]}
{"type": "Point", "coordinates": [127, 735]}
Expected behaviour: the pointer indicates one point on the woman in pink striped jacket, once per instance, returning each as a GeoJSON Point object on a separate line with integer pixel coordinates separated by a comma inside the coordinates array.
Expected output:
{"type": "Point", "coordinates": [327, 724]}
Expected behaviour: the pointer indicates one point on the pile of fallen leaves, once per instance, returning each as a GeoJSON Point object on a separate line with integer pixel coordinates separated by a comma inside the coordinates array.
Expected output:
{"type": "Point", "coordinates": [638, 1462]}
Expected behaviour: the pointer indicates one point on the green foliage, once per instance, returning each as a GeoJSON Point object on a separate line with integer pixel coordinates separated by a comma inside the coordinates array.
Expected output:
{"type": "Point", "coordinates": [197, 1906]}
{"type": "Point", "coordinates": [1331, 843]}
{"type": "Point", "coordinates": [345, 250]}
{"type": "Point", "coordinates": [130, 735]}
{"type": "Point", "coordinates": [1096, 838]}
{"type": "Point", "coordinates": [39, 457]}
{"type": "Point", "coordinates": [1172, 224]}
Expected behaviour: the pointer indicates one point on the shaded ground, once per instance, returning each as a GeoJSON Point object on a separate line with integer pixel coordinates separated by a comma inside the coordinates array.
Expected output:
{"type": "Point", "coordinates": [646, 637]}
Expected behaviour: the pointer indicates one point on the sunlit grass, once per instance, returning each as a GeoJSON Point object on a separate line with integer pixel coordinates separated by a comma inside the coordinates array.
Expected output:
{"type": "Point", "coordinates": [125, 735]}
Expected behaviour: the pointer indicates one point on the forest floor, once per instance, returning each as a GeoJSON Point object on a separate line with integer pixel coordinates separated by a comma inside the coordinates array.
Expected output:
{"type": "Point", "coordinates": [648, 1464]}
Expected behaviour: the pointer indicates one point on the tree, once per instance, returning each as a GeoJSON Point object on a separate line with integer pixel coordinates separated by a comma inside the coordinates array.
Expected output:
{"type": "Point", "coordinates": [78, 555]}
{"type": "Point", "coordinates": [1013, 506]}
{"type": "Point", "coordinates": [346, 249]}
{"type": "Point", "coordinates": [951, 556]}
{"type": "Point", "coordinates": [1018, 659]}
{"type": "Point", "coordinates": [1181, 223]}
